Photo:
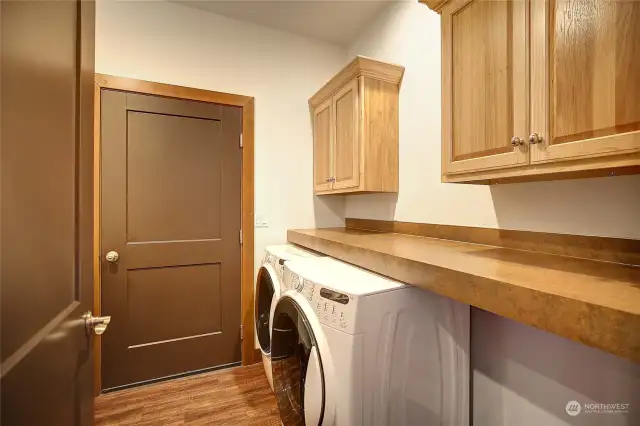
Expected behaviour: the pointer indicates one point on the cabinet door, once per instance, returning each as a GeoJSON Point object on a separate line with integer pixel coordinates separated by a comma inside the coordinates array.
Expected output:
{"type": "Point", "coordinates": [322, 146]}
{"type": "Point", "coordinates": [585, 71]}
{"type": "Point", "coordinates": [346, 163]}
{"type": "Point", "coordinates": [484, 83]}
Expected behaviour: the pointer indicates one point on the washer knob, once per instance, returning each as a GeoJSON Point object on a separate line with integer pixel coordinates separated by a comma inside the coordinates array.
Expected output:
{"type": "Point", "coordinates": [298, 284]}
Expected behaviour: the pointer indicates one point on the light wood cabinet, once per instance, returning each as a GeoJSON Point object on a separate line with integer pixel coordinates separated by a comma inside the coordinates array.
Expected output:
{"type": "Point", "coordinates": [486, 82]}
{"type": "Point", "coordinates": [536, 90]}
{"type": "Point", "coordinates": [355, 129]}
{"type": "Point", "coordinates": [322, 120]}
{"type": "Point", "coordinates": [585, 78]}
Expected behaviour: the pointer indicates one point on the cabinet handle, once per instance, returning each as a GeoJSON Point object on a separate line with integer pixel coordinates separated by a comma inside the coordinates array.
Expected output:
{"type": "Point", "coordinates": [535, 138]}
{"type": "Point", "coordinates": [327, 180]}
{"type": "Point", "coordinates": [516, 141]}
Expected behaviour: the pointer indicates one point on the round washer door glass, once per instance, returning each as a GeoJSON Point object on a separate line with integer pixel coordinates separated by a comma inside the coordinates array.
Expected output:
{"type": "Point", "coordinates": [264, 295]}
{"type": "Point", "coordinates": [298, 378]}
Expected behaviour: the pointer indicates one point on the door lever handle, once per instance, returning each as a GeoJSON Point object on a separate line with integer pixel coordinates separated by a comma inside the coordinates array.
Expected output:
{"type": "Point", "coordinates": [95, 325]}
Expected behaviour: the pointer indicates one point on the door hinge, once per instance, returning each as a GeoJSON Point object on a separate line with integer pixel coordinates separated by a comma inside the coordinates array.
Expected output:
{"type": "Point", "coordinates": [241, 239]}
{"type": "Point", "coordinates": [241, 332]}
{"type": "Point", "coordinates": [240, 140]}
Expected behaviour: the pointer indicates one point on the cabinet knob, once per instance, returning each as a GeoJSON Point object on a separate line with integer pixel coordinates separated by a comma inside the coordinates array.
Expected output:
{"type": "Point", "coordinates": [535, 138]}
{"type": "Point", "coordinates": [516, 141]}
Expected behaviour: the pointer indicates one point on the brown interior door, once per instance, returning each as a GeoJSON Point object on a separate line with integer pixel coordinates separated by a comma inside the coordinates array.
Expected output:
{"type": "Point", "coordinates": [46, 214]}
{"type": "Point", "coordinates": [171, 209]}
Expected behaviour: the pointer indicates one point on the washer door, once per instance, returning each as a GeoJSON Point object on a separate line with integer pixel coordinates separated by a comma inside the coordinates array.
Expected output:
{"type": "Point", "coordinates": [265, 289]}
{"type": "Point", "coordinates": [298, 377]}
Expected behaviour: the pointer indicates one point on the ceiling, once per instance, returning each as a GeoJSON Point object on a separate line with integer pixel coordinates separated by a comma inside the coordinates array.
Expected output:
{"type": "Point", "coordinates": [334, 21]}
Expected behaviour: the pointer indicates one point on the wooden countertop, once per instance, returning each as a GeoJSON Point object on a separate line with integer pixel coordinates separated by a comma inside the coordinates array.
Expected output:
{"type": "Point", "coordinates": [596, 303]}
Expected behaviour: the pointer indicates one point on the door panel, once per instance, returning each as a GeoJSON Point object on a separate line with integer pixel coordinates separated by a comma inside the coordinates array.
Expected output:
{"type": "Point", "coordinates": [346, 160]}
{"type": "Point", "coordinates": [589, 65]}
{"type": "Point", "coordinates": [484, 83]}
{"type": "Point", "coordinates": [159, 170]}
{"type": "Point", "coordinates": [46, 210]}
{"type": "Point", "coordinates": [322, 146]}
{"type": "Point", "coordinates": [204, 317]}
{"type": "Point", "coordinates": [171, 187]}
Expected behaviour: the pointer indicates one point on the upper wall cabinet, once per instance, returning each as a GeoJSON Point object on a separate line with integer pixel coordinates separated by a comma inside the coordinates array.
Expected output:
{"type": "Point", "coordinates": [585, 79]}
{"type": "Point", "coordinates": [322, 149]}
{"type": "Point", "coordinates": [355, 129]}
{"type": "Point", "coordinates": [485, 79]}
{"type": "Point", "coordinates": [535, 90]}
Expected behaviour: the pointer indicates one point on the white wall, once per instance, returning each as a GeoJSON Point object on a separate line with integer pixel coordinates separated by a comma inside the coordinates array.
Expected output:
{"type": "Point", "coordinates": [522, 376]}
{"type": "Point", "coordinates": [170, 43]}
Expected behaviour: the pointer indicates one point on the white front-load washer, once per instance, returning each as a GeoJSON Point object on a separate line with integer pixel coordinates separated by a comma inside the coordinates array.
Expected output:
{"type": "Point", "coordinates": [267, 291]}
{"type": "Point", "coordinates": [350, 347]}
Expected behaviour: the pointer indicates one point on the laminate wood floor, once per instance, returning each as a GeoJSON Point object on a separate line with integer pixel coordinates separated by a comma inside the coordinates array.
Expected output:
{"type": "Point", "coordinates": [237, 396]}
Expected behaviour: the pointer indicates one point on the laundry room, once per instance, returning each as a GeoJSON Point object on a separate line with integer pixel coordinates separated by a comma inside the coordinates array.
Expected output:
{"type": "Point", "coordinates": [276, 215]}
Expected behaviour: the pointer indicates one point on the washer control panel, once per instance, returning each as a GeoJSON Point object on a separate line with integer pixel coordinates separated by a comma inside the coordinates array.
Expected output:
{"type": "Point", "coordinates": [276, 262]}
{"type": "Point", "coordinates": [333, 308]}
{"type": "Point", "coordinates": [308, 289]}
{"type": "Point", "coordinates": [292, 281]}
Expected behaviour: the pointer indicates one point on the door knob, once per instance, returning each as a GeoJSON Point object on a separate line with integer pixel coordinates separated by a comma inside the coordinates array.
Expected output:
{"type": "Point", "coordinates": [535, 138]}
{"type": "Point", "coordinates": [112, 256]}
{"type": "Point", "coordinates": [95, 325]}
{"type": "Point", "coordinates": [516, 141]}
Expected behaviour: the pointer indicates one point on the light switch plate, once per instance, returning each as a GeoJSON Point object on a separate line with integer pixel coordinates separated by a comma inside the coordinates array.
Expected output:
{"type": "Point", "coordinates": [261, 221]}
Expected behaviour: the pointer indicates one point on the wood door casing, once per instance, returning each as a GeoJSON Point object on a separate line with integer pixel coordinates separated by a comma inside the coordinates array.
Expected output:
{"type": "Point", "coordinates": [585, 85]}
{"type": "Point", "coordinates": [346, 157]}
{"type": "Point", "coordinates": [47, 51]}
{"type": "Point", "coordinates": [174, 294]}
{"type": "Point", "coordinates": [485, 101]}
{"type": "Point", "coordinates": [247, 103]}
{"type": "Point", "coordinates": [322, 146]}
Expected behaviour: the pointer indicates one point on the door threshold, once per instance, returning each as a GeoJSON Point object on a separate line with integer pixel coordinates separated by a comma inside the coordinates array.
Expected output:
{"type": "Point", "coordinates": [171, 377]}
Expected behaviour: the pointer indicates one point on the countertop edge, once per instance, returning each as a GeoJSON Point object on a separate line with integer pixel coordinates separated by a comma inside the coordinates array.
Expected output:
{"type": "Point", "coordinates": [594, 325]}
